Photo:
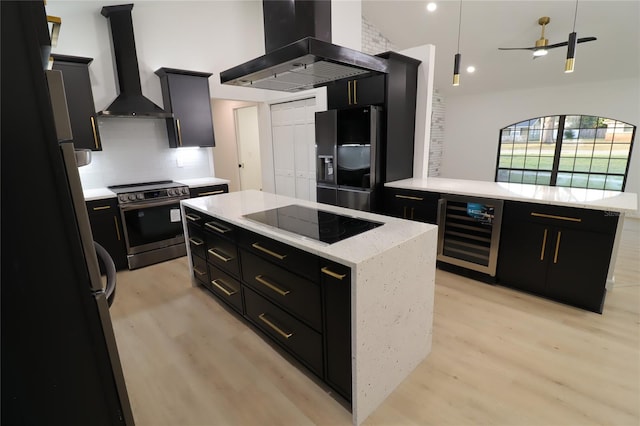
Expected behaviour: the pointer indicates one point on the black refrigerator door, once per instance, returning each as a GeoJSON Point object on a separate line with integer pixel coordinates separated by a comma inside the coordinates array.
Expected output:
{"type": "Point", "coordinates": [326, 137]}
{"type": "Point", "coordinates": [57, 341]}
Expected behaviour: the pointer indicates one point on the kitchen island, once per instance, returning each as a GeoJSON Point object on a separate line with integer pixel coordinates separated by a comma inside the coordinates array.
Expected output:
{"type": "Point", "coordinates": [273, 278]}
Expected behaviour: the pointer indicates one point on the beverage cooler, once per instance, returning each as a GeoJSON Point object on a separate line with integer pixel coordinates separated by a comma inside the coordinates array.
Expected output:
{"type": "Point", "coordinates": [469, 232]}
{"type": "Point", "coordinates": [348, 160]}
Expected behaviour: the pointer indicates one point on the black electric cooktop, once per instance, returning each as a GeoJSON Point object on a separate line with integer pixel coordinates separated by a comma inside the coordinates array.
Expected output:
{"type": "Point", "coordinates": [312, 223]}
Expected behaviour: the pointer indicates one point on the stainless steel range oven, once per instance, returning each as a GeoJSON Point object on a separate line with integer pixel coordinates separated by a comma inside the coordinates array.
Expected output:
{"type": "Point", "coordinates": [151, 220]}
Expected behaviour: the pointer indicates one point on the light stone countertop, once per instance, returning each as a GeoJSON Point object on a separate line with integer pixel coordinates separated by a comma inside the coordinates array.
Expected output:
{"type": "Point", "coordinates": [594, 199]}
{"type": "Point", "coordinates": [200, 182]}
{"type": "Point", "coordinates": [392, 287]}
{"type": "Point", "coordinates": [97, 194]}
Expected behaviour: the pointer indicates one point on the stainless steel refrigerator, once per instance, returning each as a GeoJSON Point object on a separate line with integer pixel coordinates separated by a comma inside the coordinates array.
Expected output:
{"type": "Point", "coordinates": [348, 170]}
{"type": "Point", "coordinates": [60, 362]}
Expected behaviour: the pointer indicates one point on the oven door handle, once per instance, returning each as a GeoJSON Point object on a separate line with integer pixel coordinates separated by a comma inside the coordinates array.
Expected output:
{"type": "Point", "coordinates": [138, 206]}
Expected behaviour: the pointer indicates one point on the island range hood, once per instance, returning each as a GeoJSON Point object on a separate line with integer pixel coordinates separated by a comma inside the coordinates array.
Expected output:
{"type": "Point", "coordinates": [130, 101]}
{"type": "Point", "coordinates": [300, 55]}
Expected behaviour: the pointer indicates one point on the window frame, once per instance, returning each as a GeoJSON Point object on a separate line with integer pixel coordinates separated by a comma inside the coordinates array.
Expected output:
{"type": "Point", "coordinates": [559, 139]}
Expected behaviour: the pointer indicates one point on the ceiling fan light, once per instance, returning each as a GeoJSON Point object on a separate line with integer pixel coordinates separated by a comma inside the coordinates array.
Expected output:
{"type": "Point", "coordinates": [540, 52]}
{"type": "Point", "coordinates": [456, 70]}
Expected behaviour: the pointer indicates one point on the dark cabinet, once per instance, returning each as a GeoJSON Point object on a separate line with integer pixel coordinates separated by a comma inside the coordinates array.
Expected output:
{"type": "Point", "coordinates": [204, 191]}
{"type": "Point", "coordinates": [186, 95]}
{"type": "Point", "coordinates": [82, 110]}
{"type": "Point", "coordinates": [413, 205]}
{"type": "Point", "coordinates": [557, 252]}
{"type": "Point", "coordinates": [106, 228]}
{"type": "Point", "coordinates": [356, 92]}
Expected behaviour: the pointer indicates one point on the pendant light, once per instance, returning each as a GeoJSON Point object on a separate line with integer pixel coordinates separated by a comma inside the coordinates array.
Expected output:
{"type": "Point", "coordinates": [571, 47]}
{"type": "Point", "coordinates": [456, 59]}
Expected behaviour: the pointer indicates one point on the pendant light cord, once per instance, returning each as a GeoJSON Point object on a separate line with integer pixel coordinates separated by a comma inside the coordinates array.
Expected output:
{"type": "Point", "coordinates": [460, 24]}
{"type": "Point", "coordinates": [575, 16]}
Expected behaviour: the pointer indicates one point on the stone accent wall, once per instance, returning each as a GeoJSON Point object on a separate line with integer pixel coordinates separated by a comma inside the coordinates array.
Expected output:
{"type": "Point", "coordinates": [436, 144]}
{"type": "Point", "coordinates": [373, 42]}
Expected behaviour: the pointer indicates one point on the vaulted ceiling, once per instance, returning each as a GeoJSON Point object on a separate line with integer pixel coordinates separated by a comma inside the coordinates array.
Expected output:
{"type": "Point", "coordinates": [487, 25]}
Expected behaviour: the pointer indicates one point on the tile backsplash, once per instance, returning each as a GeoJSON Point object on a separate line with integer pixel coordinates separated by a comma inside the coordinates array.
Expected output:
{"type": "Point", "coordinates": [137, 150]}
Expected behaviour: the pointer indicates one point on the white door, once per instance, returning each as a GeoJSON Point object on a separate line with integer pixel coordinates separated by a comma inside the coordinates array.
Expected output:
{"type": "Point", "coordinates": [248, 143]}
{"type": "Point", "coordinates": [294, 146]}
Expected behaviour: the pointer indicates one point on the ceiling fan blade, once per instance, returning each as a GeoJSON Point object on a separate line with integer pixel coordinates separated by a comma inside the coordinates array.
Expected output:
{"type": "Point", "coordinates": [585, 39]}
{"type": "Point", "coordinates": [517, 48]}
{"type": "Point", "coordinates": [564, 43]}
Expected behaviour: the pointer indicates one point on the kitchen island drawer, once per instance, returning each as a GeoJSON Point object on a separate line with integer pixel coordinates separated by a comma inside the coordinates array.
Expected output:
{"type": "Point", "coordinates": [220, 228]}
{"type": "Point", "coordinates": [295, 294]}
{"type": "Point", "coordinates": [225, 287]}
{"type": "Point", "coordinates": [197, 242]}
{"type": "Point", "coordinates": [290, 333]}
{"type": "Point", "coordinates": [200, 270]}
{"type": "Point", "coordinates": [194, 217]}
{"type": "Point", "coordinates": [223, 253]}
{"type": "Point", "coordinates": [281, 254]}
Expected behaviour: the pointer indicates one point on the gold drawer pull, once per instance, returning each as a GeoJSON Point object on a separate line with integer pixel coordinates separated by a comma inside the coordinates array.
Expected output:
{"type": "Point", "coordinates": [355, 92]}
{"type": "Point", "coordinates": [95, 134]}
{"type": "Point", "coordinates": [179, 132]}
{"type": "Point", "coordinates": [550, 216]}
{"type": "Point", "coordinates": [277, 329]}
{"type": "Point", "coordinates": [409, 197]}
{"type": "Point", "coordinates": [55, 29]}
{"type": "Point", "coordinates": [101, 208]}
{"type": "Point", "coordinates": [202, 194]}
{"type": "Point", "coordinates": [217, 283]}
{"type": "Point", "coordinates": [196, 241]}
{"type": "Point", "coordinates": [217, 227]}
{"type": "Point", "coordinates": [273, 287]}
{"type": "Point", "coordinates": [544, 244]}
{"type": "Point", "coordinates": [192, 216]}
{"type": "Point", "coordinates": [332, 274]}
{"type": "Point", "coordinates": [115, 219]}
{"type": "Point", "coordinates": [198, 271]}
{"type": "Point", "coordinates": [349, 91]}
{"type": "Point", "coordinates": [269, 252]}
{"type": "Point", "coordinates": [224, 259]}
{"type": "Point", "coordinates": [555, 256]}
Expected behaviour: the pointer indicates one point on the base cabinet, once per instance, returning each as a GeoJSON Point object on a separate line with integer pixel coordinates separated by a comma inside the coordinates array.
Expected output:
{"type": "Point", "coordinates": [413, 205]}
{"type": "Point", "coordinates": [299, 301]}
{"type": "Point", "coordinates": [557, 252]}
{"type": "Point", "coordinates": [106, 228]}
{"type": "Point", "coordinates": [205, 191]}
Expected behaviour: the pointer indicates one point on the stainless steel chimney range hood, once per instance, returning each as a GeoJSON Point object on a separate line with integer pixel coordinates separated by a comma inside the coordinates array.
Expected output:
{"type": "Point", "coordinates": [130, 102]}
{"type": "Point", "coordinates": [299, 53]}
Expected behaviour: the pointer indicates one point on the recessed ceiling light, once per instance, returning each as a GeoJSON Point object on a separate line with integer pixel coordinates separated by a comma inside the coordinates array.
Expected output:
{"type": "Point", "coordinates": [471, 69]}
{"type": "Point", "coordinates": [431, 6]}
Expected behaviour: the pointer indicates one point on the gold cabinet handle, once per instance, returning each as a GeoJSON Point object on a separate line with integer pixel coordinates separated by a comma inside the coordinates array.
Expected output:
{"type": "Point", "coordinates": [555, 256]}
{"type": "Point", "coordinates": [409, 197]}
{"type": "Point", "coordinates": [115, 220]}
{"type": "Point", "coordinates": [404, 212]}
{"type": "Point", "coordinates": [273, 287]}
{"type": "Point", "coordinates": [179, 132]}
{"type": "Point", "coordinates": [269, 252]}
{"type": "Point", "coordinates": [349, 91]}
{"type": "Point", "coordinates": [202, 194]}
{"type": "Point", "coordinates": [217, 227]}
{"type": "Point", "coordinates": [198, 271]}
{"type": "Point", "coordinates": [550, 216]}
{"type": "Point", "coordinates": [326, 270]}
{"type": "Point", "coordinates": [218, 283]}
{"type": "Point", "coordinates": [192, 216]}
{"type": "Point", "coordinates": [277, 329]}
{"type": "Point", "coordinates": [101, 208]}
{"type": "Point", "coordinates": [196, 241]}
{"type": "Point", "coordinates": [412, 209]}
{"type": "Point", "coordinates": [55, 30]}
{"type": "Point", "coordinates": [355, 93]}
{"type": "Point", "coordinates": [95, 133]}
{"type": "Point", "coordinates": [544, 244]}
{"type": "Point", "coordinates": [219, 256]}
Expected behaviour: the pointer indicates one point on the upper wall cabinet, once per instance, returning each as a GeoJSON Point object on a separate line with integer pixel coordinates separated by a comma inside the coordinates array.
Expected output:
{"type": "Point", "coordinates": [356, 92]}
{"type": "Point", "coordinates": [186, 95]}
{"type": "Point", "coordinates": [82, 110]}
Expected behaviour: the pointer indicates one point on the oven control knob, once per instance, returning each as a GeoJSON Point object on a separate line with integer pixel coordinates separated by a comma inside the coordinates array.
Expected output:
{"type": "Point", "coordinates": [171, 192]}
{"type": "Point", "coordinates": [185, 190]}
{"type": "Point", "coordinates": [131, 197]}
{"type": "Point", "coordinates": [122, 197]}
{"type": "Point", "coordinates": [140, 196]}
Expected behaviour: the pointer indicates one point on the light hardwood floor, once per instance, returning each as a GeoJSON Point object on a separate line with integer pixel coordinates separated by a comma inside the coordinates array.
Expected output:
{"type": "Point", "coordinates": [500, 357]}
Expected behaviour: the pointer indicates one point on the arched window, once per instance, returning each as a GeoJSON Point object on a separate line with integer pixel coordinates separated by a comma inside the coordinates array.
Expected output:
{"type": "Point", "coordinates": [579, 151]}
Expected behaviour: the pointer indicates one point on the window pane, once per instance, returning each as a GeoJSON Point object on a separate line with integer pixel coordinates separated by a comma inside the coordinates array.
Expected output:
{"type": "Point", "coordinates": [614, 183]}
{"type": "Point", "coordinates": [572, 122]}
{"type": "Point", "coordinates": [566, 164]}
{"type": "Point", "coordinates": [517, 162]}
{"type": "Point", "coordinates": [599, 165]}
{"type": "Point", "coordinates": [596, 181]}
{"type": "Point", "coordinates": [529, 177]}
{"type": "Point", "coordinates": [544, 178]}
{"type": "Point", "coordinates": [582, 164]}
{"type": "Point", "coordinates": [563, 179]}
{"type": "Point", "coordinates": [617, 165]}
{"type": "Point", "coordinates": [515, 176]}
{"type": "Point", "coordinates": [546, 163]}
{"type": "Point", "coordinates": [579, 180]}
{"type": "Point", "coordinates": [503, 175]}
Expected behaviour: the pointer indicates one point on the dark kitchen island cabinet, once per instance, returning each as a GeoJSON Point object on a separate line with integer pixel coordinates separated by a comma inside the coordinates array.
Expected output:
{"type": "Point", "coordinates": [186, 95]}
{"type": "Point", "coordinates": [413, 205]}
{"type": "Point", "coordinates": [82, 110]}
{"type": "Point", "coordinates": [557, 252]}
{"type": "Point", "coordinates": [357, 313]}
{"type": "Point", "coordinates": [106, 228]}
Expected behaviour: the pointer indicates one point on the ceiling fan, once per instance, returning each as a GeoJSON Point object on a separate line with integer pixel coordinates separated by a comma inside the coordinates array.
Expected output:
{"type": "Point", "coordinates": [542, 44]}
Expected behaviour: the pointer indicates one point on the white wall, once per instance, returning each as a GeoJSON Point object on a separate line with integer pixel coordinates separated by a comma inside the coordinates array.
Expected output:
{"type": "Point", "coordinates": [473, 122]}
{"type": "Point", "coordinates": [208, 36]}
{"type": "Point", "coordinates": [346, 23]}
